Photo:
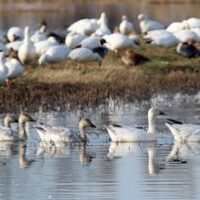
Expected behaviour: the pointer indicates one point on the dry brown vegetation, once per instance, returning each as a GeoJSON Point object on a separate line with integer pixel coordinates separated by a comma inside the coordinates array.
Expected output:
{"type": "Point", "coordinates": [70, 83]}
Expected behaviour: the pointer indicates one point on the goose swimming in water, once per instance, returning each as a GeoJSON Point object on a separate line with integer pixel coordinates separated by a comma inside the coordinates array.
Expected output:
{"type": "Point", "coordinates": [52, 134]}
{"type": "Point", "coordinates": [184, 132]}
{"type": "Point", "coordinates": [119, 133]}
{"type": "Point", "coordinates": [8, 134]}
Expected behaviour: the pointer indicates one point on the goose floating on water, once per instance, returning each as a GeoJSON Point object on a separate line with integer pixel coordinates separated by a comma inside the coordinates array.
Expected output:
{"type": "Point", "coordinates": [52, 134]}
{"type": "Point", "coordinates": [8, 134]}
{"type": "Point", "coordinates": [184, 132]}
{"type": "Point", "coordinates": [120, 133]}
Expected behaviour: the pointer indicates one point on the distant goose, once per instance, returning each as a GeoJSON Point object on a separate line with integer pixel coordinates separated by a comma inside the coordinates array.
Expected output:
{"type": "Point", "coordinates": [84, 55]}
{"type": "Point", "coordinates": [54, 54]}
{"type": "Point", "coordinates": [73, 40]}
{"type": "Point", "coordinates": [8, 134]}
{"type": "Point", "coordinates": [126, 27]}
{"type": "Point", "coordinates": [184, 132]}
{"type": "Point", "coordinates": [161, 38]}
{"type": "Point", "coordinates": [27, 51]}
{"type": "Point", "coordinates": [147, 24]}
{"type": "Point", "coordinates": [118, 41]}
{"type": "Point", "coordinates": [3, 68]}
{"type": "Point", "coordinates": [52, 134]}
{"type": "Point", "coordinates": [92, 42]}
{"type": "Point", "coordinates": [120, 133]}
{"type": "Point", "coordinates": [132, 58]}
{"type": "Point", "coordinates": [14, 66]}
{"type": "Point", "coordinates": [87, 26]}
{"type": "Point", "coordinates": [15, 33]}
{"type": "Point", "coordinates": [44, 45]}
{"type": "Point", "coordinates": [187, 49]}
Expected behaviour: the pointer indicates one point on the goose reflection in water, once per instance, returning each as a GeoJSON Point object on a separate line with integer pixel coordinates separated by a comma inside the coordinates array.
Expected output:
{"type": "Point", "coordinates": [8, 149]}
{"type": "Point", "coordinates": [182, 151]}
{"type": "Point", "coordinates": [24, 162]}
{"type": "Point", "coordinates": [84, 157]}
{"type": "Point", "coordinates": [117, 150]}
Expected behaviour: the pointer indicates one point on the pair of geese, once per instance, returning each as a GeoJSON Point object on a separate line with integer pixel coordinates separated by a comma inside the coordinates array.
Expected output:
{"type": "Point", "coordinates": [118, 133]}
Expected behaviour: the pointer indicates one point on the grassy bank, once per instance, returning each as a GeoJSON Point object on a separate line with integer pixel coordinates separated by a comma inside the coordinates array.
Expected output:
{"type": "Point", "coordinates": [71, 83]}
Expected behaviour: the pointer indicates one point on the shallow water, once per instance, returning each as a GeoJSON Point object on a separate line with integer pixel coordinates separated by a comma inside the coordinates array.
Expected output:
{"type": "Point", "coordinates": [116, 171]}
{"type": "Point", "coordinates": [61, 15]}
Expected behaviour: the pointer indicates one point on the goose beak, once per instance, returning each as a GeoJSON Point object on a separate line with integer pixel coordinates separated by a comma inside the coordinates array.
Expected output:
{"type": "Point", "coordinates": [92, 125]}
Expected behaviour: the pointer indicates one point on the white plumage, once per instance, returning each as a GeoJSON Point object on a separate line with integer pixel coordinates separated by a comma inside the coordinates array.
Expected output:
{"type": "Point", "coordinates": [126, 27]}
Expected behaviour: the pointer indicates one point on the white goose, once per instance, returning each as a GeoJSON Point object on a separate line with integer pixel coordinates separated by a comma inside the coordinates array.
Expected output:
{"type": "Point", "coordinates": [8, 134]}
{"type": "Point", "coordinates": [52, 134]}
{"type": "Point", "coordinates": [147, 24]}
{"type": "Point", "coordinates": [54, 54]}
{"type": "Point", "coordinates": [14, 66]}
{"type": "Point", "coordinates": [72, 40]}
{"type": "Point", "coordinates": [84, 55]}
{"type": "Point", "coordinates": [3, 68]}
{"type": "Point", "coordinates": [15, 33]}
{"type": "Point", "coordinates": [27, 50]}
{"type": "Point", "coordinates": [126, 27]}
{"type": "Point", "coordinates": [184, 132]}
{"type": "Point", "coordinates": [119, 133]}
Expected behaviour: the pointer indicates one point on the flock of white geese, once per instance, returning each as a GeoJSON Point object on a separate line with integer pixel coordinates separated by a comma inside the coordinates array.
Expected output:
{"type": "Point", "coordinates": [90, 40]}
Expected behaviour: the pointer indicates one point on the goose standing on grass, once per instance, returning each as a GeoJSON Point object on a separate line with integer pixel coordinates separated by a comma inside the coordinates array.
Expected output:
{"type": "Point", "coordinates": [147, 24]}
{"type": "Point", "coordinates": [126, 27]}
{"type": "Point", "coordinates": [119, 133]}
{"type": "Point", "coordinates": [184, 132]}
{"type": "Point", "coordinates": [54, 54]}
{"type": "Point", "coordinates": [27, 51]}
{"type": "Point", "coordinates": [188, 49]}
{"type": "Point", "coordinates": [14, 66]}
{"type": "Point", "coordinates": [52, 134]}
{"type": "Point", "coordinates": [118, 41]}
{"type": "Point", "coordinates": [8, 134]}
{"type": "Point", "coordinates": [3, 68]}
{"type": "Point", "coordinates": [72, 40]}
{"type": "Point", "coordinates": [15, 33]}
{"type": "Point", "coordinates": [84, 55]}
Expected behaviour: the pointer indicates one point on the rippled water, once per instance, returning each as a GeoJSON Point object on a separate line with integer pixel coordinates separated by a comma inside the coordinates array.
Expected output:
{"type": "Point", "coordinates": [104, 170]}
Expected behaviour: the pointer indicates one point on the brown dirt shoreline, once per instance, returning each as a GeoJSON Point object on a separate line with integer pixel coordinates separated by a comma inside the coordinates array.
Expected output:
{"type": "Point", "coordinates": [71, 85]}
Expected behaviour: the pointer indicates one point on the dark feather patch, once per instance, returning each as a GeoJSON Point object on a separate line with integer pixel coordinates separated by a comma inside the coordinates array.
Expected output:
{"type": "Point", "coordinates": [173, 121]}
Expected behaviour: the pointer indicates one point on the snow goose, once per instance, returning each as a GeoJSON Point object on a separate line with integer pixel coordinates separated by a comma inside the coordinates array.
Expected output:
{"type": "Point", "coordinates": [184, 132]}
{"type": "Point", "coordinates": [185, 35]}
{"type": "Point", "coordinates": [126, 27]}
{"type": "Point", "coordinates": [161, 38]}
{"type": "Point", "coordinates": [52, 134]}
{"type": "Point", "coordinates": [3, 68]}
{"type": "Point", "coordinates": [14, 66]}
{"type": "Point", "coordinates": [193, 22]}
{"type": "Point", "coordinates": [84, 55]}
{"type": "Point", "coordinates": [92, 42]}
{"type": "Point", "coordinates": [187, 49]}
{"type": "Point", "coordinates": [8, 134]}
{"type": "Point", "coordinates": [72, 40]}
{"type": "Point", "coordinates": [118, 41]}
{"type": "Point", "coordinates": [87, 26]}
{"type": "Point", "coordinates": [14, 45]}
{"type": "Point", "coordinates": [54, 54]}
{"type": "Point", "coordinates": [147, 24]}
{"type": "Point", "coordinates": [119, 133]}
{"type": "Point", "coordinates": [177, 26]}
{"type": "Point", "coordinates": [44, 45]}
{"type": "Point", "coordinates": [27, 51]}
{"type": "Point", "coordinates": [15, 33]}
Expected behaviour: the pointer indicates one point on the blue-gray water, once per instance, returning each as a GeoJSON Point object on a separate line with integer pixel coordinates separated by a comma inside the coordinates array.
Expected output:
{"type": "Point", "coordinates": [117, 171]}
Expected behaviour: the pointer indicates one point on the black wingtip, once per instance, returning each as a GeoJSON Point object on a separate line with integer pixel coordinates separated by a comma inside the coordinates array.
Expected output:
{"type": "Point", "coordinates": [173, 121]}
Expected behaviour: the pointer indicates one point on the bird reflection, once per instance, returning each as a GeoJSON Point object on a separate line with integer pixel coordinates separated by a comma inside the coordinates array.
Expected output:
{"type": "Point", "coordinates": [84, 157]}
{"type": "Point", "coordinates": [182, 151]}
{"type": "Point", "coordinates": [23, 161]}
{"type": "Point", "coordinates": [8, 148]}
{"type": "Point", "coordinates": [55, 149]}
{"type": "Point", "coordinates": [117, 150]}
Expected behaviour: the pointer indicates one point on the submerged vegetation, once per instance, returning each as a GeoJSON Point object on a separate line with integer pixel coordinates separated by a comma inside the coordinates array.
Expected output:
{"type": "Point", "coordinates": [88, 84]}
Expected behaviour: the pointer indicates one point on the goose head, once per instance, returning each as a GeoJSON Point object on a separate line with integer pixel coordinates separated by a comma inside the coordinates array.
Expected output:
{"type": "Point", "coordinates": [85, 123]}
{"type": "Point", "coordinates": [124, 18]}
{"type": "Point", "coordinates": [103, 18]}
{"type": "Point", "coordinates": [142, 17]}
{"type": "Point", "coordinates": [24, 117]}
{"type": "Point", "coordinates": [154, 112]}
{"type": "Point", "coordinates": [9, 119]}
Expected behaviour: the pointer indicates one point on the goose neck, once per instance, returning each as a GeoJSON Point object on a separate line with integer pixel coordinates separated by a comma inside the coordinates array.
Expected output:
{"type": "Point", "coordinates": [22, 131]}
{"type": "Point", "coordinates": [151, 124]}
